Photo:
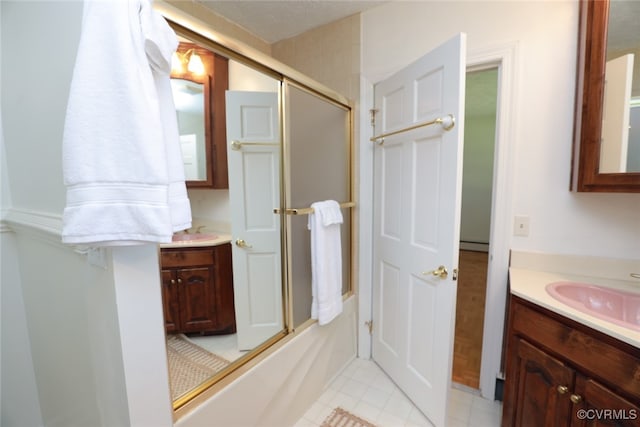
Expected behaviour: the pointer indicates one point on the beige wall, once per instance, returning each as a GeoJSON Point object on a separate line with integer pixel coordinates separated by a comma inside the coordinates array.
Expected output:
{"type": "Point", "coordinates": [329, 54]}
{"type": "Point", "coordinates": [220, 24]}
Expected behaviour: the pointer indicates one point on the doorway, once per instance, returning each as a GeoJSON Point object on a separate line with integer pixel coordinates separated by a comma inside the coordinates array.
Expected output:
{"type": "Point", "coordinates": [475, 224]}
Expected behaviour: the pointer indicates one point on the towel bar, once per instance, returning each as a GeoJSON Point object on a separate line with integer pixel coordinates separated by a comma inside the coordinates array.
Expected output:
{"type": "Point", "coordinates": [447, 122]}
{"type": "Point", "coordinates": [307, 211]}
{"type": "Point", "coordinates": [237, 145]}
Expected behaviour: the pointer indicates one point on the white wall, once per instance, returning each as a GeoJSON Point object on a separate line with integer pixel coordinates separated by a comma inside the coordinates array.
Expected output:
{"type": "Point", "coordinates": [19, 403]}
{"type": "Point", "coordinates": [19, 395]}
{"type": "Point", "coordinates": [546, 35]}
{"type": "Point", "coordinates": [67, 345]}
{"type": "Point", "coordinates": [73, 333]}
{"type": "Point", "coordinates": [38, 47]}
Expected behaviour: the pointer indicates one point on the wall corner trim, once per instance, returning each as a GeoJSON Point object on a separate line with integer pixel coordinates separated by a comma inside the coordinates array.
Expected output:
{"type": "Point", "coordinates": [26, 220]}
{"type": "Point", "coordinates": [43, 226]}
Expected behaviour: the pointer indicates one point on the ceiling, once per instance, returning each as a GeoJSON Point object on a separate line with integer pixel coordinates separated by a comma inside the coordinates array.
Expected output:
{"type": "Point", "coordinates": [273, 21]}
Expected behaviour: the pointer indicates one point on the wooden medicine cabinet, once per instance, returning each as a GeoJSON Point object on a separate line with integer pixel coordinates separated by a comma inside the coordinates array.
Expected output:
{"type": "Point", "coordinates": [606, 156]}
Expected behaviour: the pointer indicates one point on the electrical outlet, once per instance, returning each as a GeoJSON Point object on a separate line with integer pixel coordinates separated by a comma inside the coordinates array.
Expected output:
{"type": "Point", "coordinates": [521, 226]}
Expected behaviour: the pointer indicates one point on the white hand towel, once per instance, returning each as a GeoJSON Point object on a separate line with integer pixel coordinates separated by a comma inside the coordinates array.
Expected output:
{"type": "Point", "coordinates": [121, 154]}
{"type": "Point", "coordinates": [159, 46]}
{"type": "Point", "coordinates": [326, 261]}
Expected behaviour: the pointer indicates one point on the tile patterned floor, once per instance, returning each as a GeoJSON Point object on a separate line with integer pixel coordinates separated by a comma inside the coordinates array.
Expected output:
{"type": "Point", "coordinates": [225, 346]}
{"type": "Point", "coordinates": [365, 390]}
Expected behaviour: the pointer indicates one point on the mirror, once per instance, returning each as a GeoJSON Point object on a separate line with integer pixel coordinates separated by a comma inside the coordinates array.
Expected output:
{"type": "Point", "coordinates": [607, 138]}
{"type": "Point", "coordinates": [226, 311]}
{"type": "Point", "coordinates": [620, 144]}
{"type": "Point", "coordinates": [267, 292]}
{"type": "Point", "coordinates": [189, 100]}
{"type": "Point", "coordinates": [199, 79]}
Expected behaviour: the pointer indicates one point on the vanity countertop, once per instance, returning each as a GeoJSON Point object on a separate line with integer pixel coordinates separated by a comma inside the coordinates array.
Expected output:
{"type": "Point", "coordinates": [529, 282]}
{"type": "Point", "coordinates": [219, 239]}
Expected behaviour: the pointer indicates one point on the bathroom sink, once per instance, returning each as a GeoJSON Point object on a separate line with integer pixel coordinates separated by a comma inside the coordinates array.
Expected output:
{"type": "Point", "coordinates": [185, 237]}
{"type": "Point", "coordinates": [613, 305]}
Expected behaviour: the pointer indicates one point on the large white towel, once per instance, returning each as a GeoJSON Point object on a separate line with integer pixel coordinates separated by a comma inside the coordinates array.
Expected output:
{"type": "Point", "coordinates": [326, 261]}
{"type": "Point", "coordinates": [122, 162]}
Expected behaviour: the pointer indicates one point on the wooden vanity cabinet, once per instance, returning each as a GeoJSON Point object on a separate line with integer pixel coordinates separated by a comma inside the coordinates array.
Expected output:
{"type": "Point", "coordinates": [197, 289]}
{"type": "Point", "coordinates": [556, 367]}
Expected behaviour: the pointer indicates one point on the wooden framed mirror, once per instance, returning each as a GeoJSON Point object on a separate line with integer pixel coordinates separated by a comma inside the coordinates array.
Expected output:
{"type": "Point", "coordinates": [199, 79]}
{"type": "Point", "coordinates": [597, 37]}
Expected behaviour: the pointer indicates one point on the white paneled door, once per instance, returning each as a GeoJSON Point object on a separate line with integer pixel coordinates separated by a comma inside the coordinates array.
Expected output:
{"type": "Point", "coordinates": [254, 191]}
{"type": "Point", "coordinates": [615, 118]}
{"type": "Point", "coordinates": [417, 193]}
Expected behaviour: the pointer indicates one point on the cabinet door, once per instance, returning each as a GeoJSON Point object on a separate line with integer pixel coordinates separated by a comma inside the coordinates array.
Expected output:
{"type": "Point", "coordinates": [170, 301]}
{"type": "Point", "coordinates": [533, 378]}
{"type": "Point", "coordinates": [197, 299]}
{"type": "Point", "coordinates": [598, 406]}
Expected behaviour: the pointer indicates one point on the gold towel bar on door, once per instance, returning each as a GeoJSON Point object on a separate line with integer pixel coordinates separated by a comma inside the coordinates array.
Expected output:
{"type": "Point", "coordinates": [447, 122]}
{"type": "Point", "coordinates": [307, 211]}
{"type": "Point", "coordinates": [237, 145]}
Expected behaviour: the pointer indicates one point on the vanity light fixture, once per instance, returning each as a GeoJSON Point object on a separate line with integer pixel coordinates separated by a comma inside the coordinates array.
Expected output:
{"type": "Point", "coordinates": [187, 61]}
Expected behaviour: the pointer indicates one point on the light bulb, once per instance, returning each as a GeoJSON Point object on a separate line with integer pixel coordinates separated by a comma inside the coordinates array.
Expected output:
{"type": "Point", "coordinates": [195, 64]}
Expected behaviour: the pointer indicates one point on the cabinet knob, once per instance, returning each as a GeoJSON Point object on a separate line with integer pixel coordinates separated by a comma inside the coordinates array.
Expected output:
{"type": "Point", "coordinates": [173, 281]}
{"type": "Point", "coordinates": [576, 398]}
{"type": "Point", "coordinates": [562, 389]}
{"type": "Point", "coordinates": [179, 281]}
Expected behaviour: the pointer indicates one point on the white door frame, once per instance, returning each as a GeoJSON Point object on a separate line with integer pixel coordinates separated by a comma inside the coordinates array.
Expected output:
{"type": "Point", "coordinates": [504, 57]}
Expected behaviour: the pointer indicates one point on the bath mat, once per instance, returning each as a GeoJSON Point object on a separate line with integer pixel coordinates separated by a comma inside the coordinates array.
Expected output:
{"type": "Point", "coordinates": [341, 418]}
{"type": "Point", "coordinates": [189, 364]}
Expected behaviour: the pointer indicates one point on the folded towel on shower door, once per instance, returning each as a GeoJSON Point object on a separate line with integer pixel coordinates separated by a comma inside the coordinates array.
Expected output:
{"type": "Point", "coordinates": [326, 261]}
{"type": "Point", "coordinates": [122, 162]}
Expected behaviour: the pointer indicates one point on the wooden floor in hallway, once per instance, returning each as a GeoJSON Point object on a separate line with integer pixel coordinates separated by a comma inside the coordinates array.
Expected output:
{"type": "Point", "coordinates": [470, 302]}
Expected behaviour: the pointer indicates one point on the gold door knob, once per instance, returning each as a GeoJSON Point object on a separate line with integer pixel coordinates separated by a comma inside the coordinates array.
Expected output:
{"type": "Point", "coordinates": [576, 398]}
{"type": "Point", "coordinates": [242, 244]}
{"type": "Point", "coordinates": [562, 389]}
{"type": "Point", "coordinates": [440, 272]}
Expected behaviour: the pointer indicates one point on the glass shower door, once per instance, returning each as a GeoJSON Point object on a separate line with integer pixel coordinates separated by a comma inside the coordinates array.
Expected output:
{"type": "Point", "coordinates": [318, 162]}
